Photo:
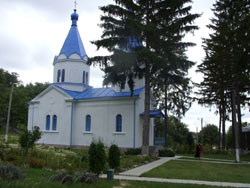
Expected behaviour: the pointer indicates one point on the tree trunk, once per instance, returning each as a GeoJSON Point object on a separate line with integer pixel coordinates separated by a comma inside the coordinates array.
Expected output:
{"type": "Point", "coordinates": [241, 137]}
{"type": "Point", "coordinates": [166, 112]}
{"type": "Point", "coordinates": [223, 125]}
{"type": "Point", "coordinates": [236, 134]}
{"type": "Point", "coordinates": [220, 118]}
{"type": "Point", "coordinates": [146, 123]}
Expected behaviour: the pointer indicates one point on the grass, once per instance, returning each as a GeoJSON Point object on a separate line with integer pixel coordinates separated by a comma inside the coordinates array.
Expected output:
{"type": "Point", "coordinates": [202, 171]}
{"type": "Point", "coordinates": [10, 133]}
{"type": "Point", "coordinates": [39, 179]}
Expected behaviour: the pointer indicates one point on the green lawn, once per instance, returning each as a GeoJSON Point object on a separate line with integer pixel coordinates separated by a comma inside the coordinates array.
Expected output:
{"type": "Point", "coordinates": [37, 178]}
{"type": "Point", "coordinates": [202, 171]}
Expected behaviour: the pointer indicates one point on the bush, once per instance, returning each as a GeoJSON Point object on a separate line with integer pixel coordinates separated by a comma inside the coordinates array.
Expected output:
{"type": "Point", "coordinates": [36, 163]}
{"type": "Point", "coordinates": [85, 177]}
{"type": "Point", "coordinates": [166, 153]}
{"type": "Point", "coordinates": [10, 172]}
{"type": "Point", "coordinates": [114, 157]}
{"type": "Point", "coordinates": [28, 138]}
{"type": "Point", "coordinates": [136, 151]}
{"type": "Point", "coordinates": [97, 157]}
{"type": "Point", "coordinates": [62, 177]}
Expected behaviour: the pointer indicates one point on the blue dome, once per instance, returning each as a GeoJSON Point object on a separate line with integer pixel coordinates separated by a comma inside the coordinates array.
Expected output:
{"type": "Point", "coordinates": [74, 18]}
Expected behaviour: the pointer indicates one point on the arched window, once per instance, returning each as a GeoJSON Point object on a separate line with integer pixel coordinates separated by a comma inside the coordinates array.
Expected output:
{"type": "Point", "coordinates": [63, 75]}
{"type": "Point", "coordinates": [119, 123]}
{"type": "Point", "coordinates": [88, 123]}
{"type": "Point", "coordinates": [54, 122]}
{"type": "Point", "coordinates": [47, 122]}
{"type": "Point", "coordinates": [87, 78]}
{"type": "Point", "coordinates": [83, 77]}
{"type": "Point", "coordinates": [58, 75]}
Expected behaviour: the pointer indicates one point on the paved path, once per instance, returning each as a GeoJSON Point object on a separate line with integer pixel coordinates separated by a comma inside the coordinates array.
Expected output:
{"type": "Point", "coordinates": [219, 162]}
{"type": "Point", "coordinates": [203, 159]}
{"type": "Point", "coordinates": [145, 168]}
{"type": "Point", "coordinates": [163, 180]}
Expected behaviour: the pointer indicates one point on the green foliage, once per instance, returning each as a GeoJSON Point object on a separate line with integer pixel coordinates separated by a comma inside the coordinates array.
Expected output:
{"type": "Point", "coordinates": [225, 67]}
{"type": "Point", "coordinates": [184, 149]}
{"type": "Point", "coordinates": [229, 140]}
{"type": "Point", "coordinates": [10, 172]}
{"type": "Point", "coordinates": [166, 153]}
{"type": "Point", "coordinates": [131, 151]}
{"type": "Point", "coordinates": [145, 40]}
{"type": "Point", "coordinates": [210, 135]}
{"type": "Point", "coordinates": [21, 95]}
{"type": "Point", "coordinates": [35, 163]}
{"type": "Point", "coordinates": [114, 157]}
{"type": "Point", "coordinates": [97, 157]}
{"type": "Point", "coordinates": [28, 139]}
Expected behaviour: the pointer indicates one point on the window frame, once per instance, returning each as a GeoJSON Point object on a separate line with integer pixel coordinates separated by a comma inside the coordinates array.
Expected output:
{"type": "Point", "coordinates": [88, 123]}
{"type": "Point", "coordinates": [54, 122]}
{"type": "Point", "coordinates": [118, 127]}
{"type": "Point", "coordinates": [63, 75]}
{"type": "Point", "coordinates": [47, 125]}
{"type": "Point", "coordinates": [83, 77]}
{"type": "Point", "coordinates": [58, 75]}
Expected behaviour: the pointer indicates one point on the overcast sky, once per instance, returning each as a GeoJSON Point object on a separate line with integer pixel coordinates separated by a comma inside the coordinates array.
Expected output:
{"type": "Point", "coordinates": [32, 32]}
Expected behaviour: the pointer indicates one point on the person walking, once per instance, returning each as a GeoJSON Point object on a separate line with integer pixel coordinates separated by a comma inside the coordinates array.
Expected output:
{"type": "Point", "coordinates": [197, 151]}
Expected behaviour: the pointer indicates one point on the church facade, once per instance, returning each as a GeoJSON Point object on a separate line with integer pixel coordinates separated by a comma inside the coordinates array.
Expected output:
{"type": "Point", "coordinates": [72, 113]}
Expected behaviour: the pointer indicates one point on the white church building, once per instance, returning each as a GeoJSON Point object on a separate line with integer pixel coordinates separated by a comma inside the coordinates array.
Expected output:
{"type": "Point", "coordinates": [71, 113]}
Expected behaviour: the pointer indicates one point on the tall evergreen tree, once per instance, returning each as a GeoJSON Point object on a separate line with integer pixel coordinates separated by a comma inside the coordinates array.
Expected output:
{"type": "Point", "coordinates": [145, 40]}
{"type": "Point", "coordinates": [226, 65]}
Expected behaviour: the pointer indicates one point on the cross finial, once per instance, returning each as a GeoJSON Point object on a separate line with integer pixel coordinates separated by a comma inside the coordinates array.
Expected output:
{"type": "Point", "coordinates": [75, 3]}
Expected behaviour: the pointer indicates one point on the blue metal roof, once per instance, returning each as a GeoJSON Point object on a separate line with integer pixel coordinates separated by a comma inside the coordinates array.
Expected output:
{"type": "Point", "coordinates": [73, 43]}
{"type": "Point", "coordinates": [131, 43]}
{"type": "Point", "coordinates": [154, 113]}
{"type": "Point", "coordinates": [95, 93]}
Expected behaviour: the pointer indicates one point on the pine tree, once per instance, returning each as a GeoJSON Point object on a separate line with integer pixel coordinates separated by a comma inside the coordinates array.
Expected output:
{"type": "Point", "coordinates": [145, 40]}
{"type": "Point", "coordinates": [227, 61]}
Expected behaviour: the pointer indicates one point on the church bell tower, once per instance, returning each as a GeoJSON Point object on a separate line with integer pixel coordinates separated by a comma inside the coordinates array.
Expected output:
{"type": "Point", "coordinates": [71, 71]}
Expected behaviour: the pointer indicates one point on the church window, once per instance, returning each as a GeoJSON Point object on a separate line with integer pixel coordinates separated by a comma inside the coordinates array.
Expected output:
{"type": "Point", "coordinates": [87, 78]}
{"type": "Point", "coordinates": [47, 122]}
{"type": "Point", "coordinates": [63, 75]}
{"type": "Point", "coordinates": [54, 123]}
{"type": "Point", "coordinates": [83, 77]}
{"type": "Point", "coordinates": [58, 75]}
{"type": "Point", "coordinates": [119, 123]}
{"type": "Point", "coordinates": [88, 123]}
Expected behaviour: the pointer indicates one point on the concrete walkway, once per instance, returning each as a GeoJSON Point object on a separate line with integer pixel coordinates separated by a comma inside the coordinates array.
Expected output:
{"type": "Point", "coordinates": [163, 180]}
{"type": "Point", "coordinates": [218, 162]}
{"type": "Point", "coordinates": [147, 167]}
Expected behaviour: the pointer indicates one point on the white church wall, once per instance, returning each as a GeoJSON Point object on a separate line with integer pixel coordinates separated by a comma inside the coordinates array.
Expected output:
{"type": "Point", "coordinates": [103, 122]}
{"type": "Point", "coordinates": [73, 87]}
{"type": "Point", "coordinates": [73, 70]}
{"type": "Point", "coordinates": [52, 103]}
